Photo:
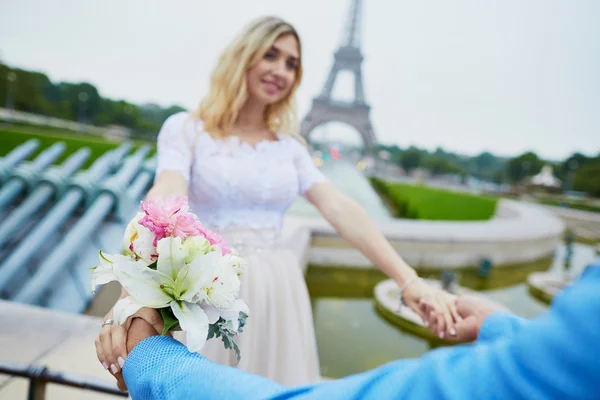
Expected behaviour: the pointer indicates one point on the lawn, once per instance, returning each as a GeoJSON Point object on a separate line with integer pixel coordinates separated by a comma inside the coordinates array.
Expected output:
{"type": "Point", "coordinates": [13, 136]}
{"type": "Point", "coordinates": [421, 202]}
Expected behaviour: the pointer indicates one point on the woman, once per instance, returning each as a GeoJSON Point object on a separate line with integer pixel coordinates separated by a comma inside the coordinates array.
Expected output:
{"type": "Point", "coordinates": [239, 163]}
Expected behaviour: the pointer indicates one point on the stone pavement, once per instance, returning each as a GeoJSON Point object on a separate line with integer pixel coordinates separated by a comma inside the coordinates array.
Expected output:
{"type": "Point", "coordinates": [61, 341]}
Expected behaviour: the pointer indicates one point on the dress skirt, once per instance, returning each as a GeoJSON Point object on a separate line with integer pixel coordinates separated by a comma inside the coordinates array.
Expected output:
{"type": "Point", "coordinates": [278, 341]}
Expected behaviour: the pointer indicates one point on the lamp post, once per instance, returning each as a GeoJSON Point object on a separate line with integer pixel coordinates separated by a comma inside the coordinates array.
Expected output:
{"type": "Point", "coordinates": [573, 164]}
{"type": "Point", "coordinates": [384, 156]}
{"type": "Point", "coordinates": [11, 78]}
{"type": "Point", "coordinates": [569, 239]}
{"type": "Point", "coordinates": [82, 97]}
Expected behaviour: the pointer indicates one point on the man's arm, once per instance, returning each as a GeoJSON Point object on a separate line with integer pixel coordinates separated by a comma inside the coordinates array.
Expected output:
{"type": "Point", "coordinates": [555, 356]}
{"type": "Point", "coordinates": [160, 367]}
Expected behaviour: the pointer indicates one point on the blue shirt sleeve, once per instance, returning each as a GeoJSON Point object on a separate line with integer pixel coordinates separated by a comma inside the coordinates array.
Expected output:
{"type": "Point", "coordinates": [553, 357]}
{"type": "Point", "coordinates": [500, 325]}
{"type": "Point", "coordinates": [160, 367]}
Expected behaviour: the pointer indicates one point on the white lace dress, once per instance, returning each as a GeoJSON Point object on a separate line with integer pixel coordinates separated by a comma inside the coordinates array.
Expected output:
{"type": "Point", "coordinates": [242, 192]}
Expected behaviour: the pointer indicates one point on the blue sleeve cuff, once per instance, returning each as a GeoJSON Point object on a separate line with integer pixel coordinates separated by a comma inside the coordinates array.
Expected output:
{"type": "Point", "coordinates": [152, 342]}
{"type": "Point", "coordinates": [500, 324]}
{"type": "Point", "coordinates": [144, 356]}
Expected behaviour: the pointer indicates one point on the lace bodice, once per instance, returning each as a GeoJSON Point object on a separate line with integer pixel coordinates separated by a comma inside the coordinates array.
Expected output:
{"type": "Point", "coordinates": [232, 183]}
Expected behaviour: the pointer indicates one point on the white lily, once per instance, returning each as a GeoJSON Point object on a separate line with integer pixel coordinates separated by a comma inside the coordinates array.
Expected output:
{"type": "Point", "coordinates": [225, 285]}
{"type": "Point", "coordinates": [183, 272]}
{"type": "Point", "coordinates": [236, 262]}
{"type": "Point", "coordinates": [106, 271]}
{"type": "Point", "coordinates": [138, 240]}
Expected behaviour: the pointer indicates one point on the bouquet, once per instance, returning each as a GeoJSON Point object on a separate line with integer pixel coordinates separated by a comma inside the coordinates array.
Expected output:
{"type": "Point", "coordinates": [173, 264]}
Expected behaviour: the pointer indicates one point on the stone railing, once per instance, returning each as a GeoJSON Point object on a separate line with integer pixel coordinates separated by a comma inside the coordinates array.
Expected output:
{"type": "Point", "coordinates": [43, 120]}
{"type": "Point", "coordinates": [519, 233]}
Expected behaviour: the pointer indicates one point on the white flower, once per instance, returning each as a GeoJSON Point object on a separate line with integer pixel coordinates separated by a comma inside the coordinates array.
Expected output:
{"type": "Point", "coordinates": [225, 285]}
{"type": "Point", "coordinates": [195, 246]}
{"type": "Point", "coordinates": [178, 282]}
{"type": "Point", "coordinates": [106, 271]}
{"type": "Point", "coordinates": [238, 264]}
{"type": "Point", "coordinates": [138, 240]}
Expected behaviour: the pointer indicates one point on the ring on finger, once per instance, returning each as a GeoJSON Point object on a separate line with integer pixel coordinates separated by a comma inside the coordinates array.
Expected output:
{"type": "Point", "coordinates": [108, 322]}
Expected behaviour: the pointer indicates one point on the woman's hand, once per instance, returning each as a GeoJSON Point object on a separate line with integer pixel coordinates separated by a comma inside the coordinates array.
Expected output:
{"type": "Point", "coordinates": [436, 307]}
{"type": "Point", "coordinates": [111, 344]}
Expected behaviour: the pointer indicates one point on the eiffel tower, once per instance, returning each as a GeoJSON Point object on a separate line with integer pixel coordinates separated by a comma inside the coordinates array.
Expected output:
{"type": "Point", "coordinates": [355, 113]}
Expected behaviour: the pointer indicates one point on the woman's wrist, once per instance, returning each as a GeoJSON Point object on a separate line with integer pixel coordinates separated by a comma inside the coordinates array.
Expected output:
{"type": "Point", "coordinates": [404, 273]}
{"type": "Point", "coordinates": [415, 280]}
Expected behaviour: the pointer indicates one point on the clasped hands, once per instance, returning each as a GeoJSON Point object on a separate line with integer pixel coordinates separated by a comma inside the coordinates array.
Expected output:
{"type": "Point", "coordinates": [445, 313]}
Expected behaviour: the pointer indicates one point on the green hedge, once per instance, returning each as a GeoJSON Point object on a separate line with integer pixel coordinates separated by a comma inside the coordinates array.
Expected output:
{"type": "Point", "coordinates": [421, 202]}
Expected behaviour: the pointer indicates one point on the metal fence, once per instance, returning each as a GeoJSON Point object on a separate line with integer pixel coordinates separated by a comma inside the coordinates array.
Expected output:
{"type": "Point", "coordinates": [40, 376]}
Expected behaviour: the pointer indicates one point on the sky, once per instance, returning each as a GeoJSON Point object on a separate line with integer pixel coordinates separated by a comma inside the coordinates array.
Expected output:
{"type": "Point", "coordinates": [466, 75]}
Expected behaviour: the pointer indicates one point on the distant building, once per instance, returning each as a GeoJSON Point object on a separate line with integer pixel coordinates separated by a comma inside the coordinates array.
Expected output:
{"type": "Point", "coordinates": [546, 178]}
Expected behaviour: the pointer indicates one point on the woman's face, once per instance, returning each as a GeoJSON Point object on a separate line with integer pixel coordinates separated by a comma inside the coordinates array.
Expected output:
{"type": "Point", "coordinates": [271, 80]}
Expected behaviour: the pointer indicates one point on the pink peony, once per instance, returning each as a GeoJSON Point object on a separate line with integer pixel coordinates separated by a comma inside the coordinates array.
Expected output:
{"type": "Point", "coordinates": [171, 218]}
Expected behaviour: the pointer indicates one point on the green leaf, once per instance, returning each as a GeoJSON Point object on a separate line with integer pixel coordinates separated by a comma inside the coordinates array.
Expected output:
{"type": "Point", "coordinates": [213, 331]}
{"type": "Point", "coordinates": [154, 265]}
{"type": "Point", "coordinates": [168, 318]}
{"type": "Point", "coordinates": [242, 321]}
{"type": "Point", "coordinates": [237, 352]}
{"type": "Point", "coordinates": [222, 329]}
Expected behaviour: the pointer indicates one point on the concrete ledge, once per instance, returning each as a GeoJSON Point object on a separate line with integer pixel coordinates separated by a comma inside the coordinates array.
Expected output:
{"type": "Point", "coordinates": [571, 213]}
{"type": "Point", "coordinates": [519, 233]}
{"type": "Point", "coordinates": [585, 224]}
{"type": "Point", "coordinates": [545, 285]}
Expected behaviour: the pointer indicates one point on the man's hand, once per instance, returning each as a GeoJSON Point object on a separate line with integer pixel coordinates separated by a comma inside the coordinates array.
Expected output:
{"type": "Point", "coordinates": [138, 331]}
{"type": "Point", "coordinates": [474, 311]}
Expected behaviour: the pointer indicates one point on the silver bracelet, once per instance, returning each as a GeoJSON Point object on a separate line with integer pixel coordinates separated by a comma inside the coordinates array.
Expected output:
{"type": "Point", "coordinates": [405, 285]}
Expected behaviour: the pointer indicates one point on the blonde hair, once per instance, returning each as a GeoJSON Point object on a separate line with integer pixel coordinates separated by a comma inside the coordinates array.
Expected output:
{"type": "Point", "coordinates": [227, 94]}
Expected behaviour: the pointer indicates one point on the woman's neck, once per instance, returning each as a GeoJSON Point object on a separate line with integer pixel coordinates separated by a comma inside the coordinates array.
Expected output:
{"type": "Point", "coordinates": [251, 118]}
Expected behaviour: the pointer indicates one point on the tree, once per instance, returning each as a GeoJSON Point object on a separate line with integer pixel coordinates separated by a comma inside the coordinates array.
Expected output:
{"type": "Point", "coordinates": [587, 178]}
{"type": "Point", "coordinates": [412, 158]}
{"type": "Point", "coordinates": [571, 164]}
{"type": "Point", "coordinates": [34, 92]}
{"type": "Point", "coordinates": [484, 161]}
{"type": "Point", "coordinates": [84, 100]}
{"type": "Point", "coordinates": [440, 166]}
{"type": "Point", "coordinates": [525, 165]}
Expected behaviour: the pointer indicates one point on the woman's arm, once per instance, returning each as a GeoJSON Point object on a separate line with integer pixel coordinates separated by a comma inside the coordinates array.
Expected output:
{"type": "Point", "coordinates": [354, 225]}
{"type": "Point", "coordinates": [174, 158]}
{"type": "Point", "coordinates": [168, 183]}
{"type": "Point", "coordinates": [351, 221]}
